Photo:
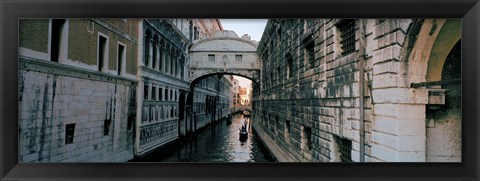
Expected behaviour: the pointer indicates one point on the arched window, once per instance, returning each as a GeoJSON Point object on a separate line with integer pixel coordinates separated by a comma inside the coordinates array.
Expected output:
{"type": "Point", "coordinates": [146, 45]}
{"type": "Point", "coordinates": [161, 56]}
{"type": "Point", "coordinates": [172, 59]}
{"type": "Point", "coordinates": [167, 59]}
{"type": "Point", "coordinates": [155, 52]}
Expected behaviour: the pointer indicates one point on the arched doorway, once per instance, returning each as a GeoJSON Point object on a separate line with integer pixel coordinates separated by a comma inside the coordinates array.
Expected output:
{"type": "Point", "coordinates": [433, 69]}
{"type": "Point", "coordinates": [444, 134]}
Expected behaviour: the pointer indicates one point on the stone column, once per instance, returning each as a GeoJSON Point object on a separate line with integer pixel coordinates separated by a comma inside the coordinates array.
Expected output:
{"type": "Point", "coordinates": [398, 133]}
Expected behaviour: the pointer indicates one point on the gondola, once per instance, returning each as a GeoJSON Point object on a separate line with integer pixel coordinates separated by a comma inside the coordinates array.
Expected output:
{"type": "Point", "coordinates": [243, 134]}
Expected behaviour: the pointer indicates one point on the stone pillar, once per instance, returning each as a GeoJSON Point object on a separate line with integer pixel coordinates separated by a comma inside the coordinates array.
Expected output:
{"type": "Point", "coordinates": [398, 130]}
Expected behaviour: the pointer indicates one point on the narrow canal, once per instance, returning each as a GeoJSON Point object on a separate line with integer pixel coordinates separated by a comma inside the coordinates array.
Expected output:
{"type": "Point", "coordinates": [218, 143]}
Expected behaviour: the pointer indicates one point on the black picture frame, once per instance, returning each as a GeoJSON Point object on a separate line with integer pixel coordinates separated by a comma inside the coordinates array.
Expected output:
{"type": "Point", "coordinates": [467, 10]}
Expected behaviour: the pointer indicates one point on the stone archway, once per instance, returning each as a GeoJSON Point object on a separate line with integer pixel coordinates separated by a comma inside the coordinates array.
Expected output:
{"type": "Point", "coordinates": [400, 98]}
{"type": "Point", "coordinates": [444, 121]}
{"type": "Point", "coordinates": [437, 48]}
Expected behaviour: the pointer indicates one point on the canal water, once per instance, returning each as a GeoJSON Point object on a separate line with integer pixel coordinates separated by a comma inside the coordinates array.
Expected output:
{"type": "Point", "coordinates": [218, 143]}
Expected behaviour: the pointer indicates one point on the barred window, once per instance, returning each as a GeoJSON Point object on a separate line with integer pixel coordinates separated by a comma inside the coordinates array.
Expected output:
{"type": "Point", "coordinates": [211, 57]}
{"type": "Point", "coordinates": [238, 58]}
{"type": "Point", "coordinates": [69, 132]}
{"type": "Point", "coordinates": [307, 138]}
{"type": "Point", "coordinates": [347, 35]}
{"type": "Point", "coordinates": [344, 148]}
{"type": "Point", "coordinates": [289, 67]}
{"type": "Point", "coordinates": [106, 126]}
{"type": "Point", "coordinates": [310, 55]}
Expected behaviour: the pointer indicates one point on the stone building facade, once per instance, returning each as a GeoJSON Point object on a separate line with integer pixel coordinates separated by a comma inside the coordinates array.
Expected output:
{"type": "Point", "coordinates": [107, 89]}
{"type": "Point", "coordinates": [236, 94]}
{"type": "Point", "coordinates": [361, 90]}
{"type": "Point", "coordinates": [77, 89]}
{"type": "Point", "coordinates": [164, 83]}
{"type": "Point", "coordinates": [211, 101]}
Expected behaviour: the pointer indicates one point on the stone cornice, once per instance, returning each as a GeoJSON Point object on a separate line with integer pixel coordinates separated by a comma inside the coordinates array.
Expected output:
{"type": "Point", "coordinates": [31, 64]}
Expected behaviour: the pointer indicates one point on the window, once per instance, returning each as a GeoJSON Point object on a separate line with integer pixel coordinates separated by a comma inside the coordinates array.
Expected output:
{"type": "Point", "coordinates": [347, 35]}
{"type": "Point", "coordinates": [344, 148]}
{"type": "Point", "coordinates": [102, 53]}
{"type": "Point", "coordinates": [154, 53]}
{"type": "Point", "coordinates": [162, 114]}
{"type": "Point", "coordinates": [306, 138]}
{"type": "Point", "coordinates": [166, 95]}
{"type": "Point", "coordinates": [195, 33]}
{"type": "Point", "coordinates": [106, 126]}
{"type": "Point", "coordinates": [211, 57]}
{"type": "Point", "coordinates": [160, 94]}
{"type": "Point", "coordinates": [150, 113]}
{"type": "Point", "coordinates": [289, 66]}
{"type": "Point", "coordinates": [147, 48]}
{"type": "Point", "coordinates": [161, 57]}
{"type": "Point", "coordinates": [190, 29]}
{"type": "Point", "coordinates": [58, 26]}
{"type": "Point", "coordinates": [69, 133]}
{"type": "Point", "coordinates": [182, 70]}
{"type": "Point", "coordinates": [120, 58]}
{"type": "Point", "coordinates": [174, 66]}
{"type": "Point", "coordinates": [172, 61]}
{"type": "Point", "coordinates": [287, 130]}
{"type": "Point", "coordinates": [145, 92]}
{"type": "Point", "coordinates": [310, 55]}
{"type": "Point", "coordinates": [154, 91]}
{"type": "Point", "coordinates": [238, 58]}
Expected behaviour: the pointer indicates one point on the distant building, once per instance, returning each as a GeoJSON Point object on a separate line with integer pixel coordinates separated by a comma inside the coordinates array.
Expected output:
{"type": "Point", "coordinates": [244, 96]}
{"type": "Point", "coordinates": [236, 94]}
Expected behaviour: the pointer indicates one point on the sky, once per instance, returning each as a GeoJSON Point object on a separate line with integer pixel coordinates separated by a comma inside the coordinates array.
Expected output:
{"type": "Point", "coordinates": [252, 27]}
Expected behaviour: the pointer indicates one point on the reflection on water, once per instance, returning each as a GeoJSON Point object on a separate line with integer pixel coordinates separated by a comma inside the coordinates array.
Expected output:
{"type": "Point", "coordinates": [218, 143]}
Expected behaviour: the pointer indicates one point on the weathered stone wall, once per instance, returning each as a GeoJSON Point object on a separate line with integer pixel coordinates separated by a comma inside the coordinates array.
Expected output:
{"type": "Point", "coordinates": [309, 102]}
{"type": "Point", "coordinates": [100, 106]}
{"type": "Point", "coordinates": [50, 101]}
